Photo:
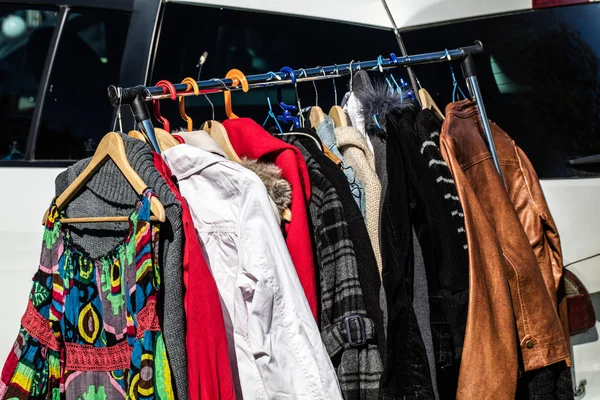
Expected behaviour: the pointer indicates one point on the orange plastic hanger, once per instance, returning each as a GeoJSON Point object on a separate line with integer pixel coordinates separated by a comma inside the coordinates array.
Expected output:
{"type": "Point", "coordinates": [191, 84]}
{"type": "Point", "coordinates": [169, 89]}
{"type": "Point", "coordinates": [238, 78]}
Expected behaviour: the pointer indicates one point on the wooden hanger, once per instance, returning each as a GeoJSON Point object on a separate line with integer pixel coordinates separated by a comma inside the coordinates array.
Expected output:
{"type": "Point", "coordinates": [110, 147]}
{"type": "Point", "coordinates": [428, 103]}
{"type": "Point", "coordinates": [338, 116]}
{"type": "Point", "coordinates": [316, 116]}
{"type": "Point", "coordinates": [215, 129]}
{"type": "Point", "coordinates": [191, 84]}
{"type": "Point", "coordinates": [138, 135]}
{"type": "Point", "coordinates": [165, 139]}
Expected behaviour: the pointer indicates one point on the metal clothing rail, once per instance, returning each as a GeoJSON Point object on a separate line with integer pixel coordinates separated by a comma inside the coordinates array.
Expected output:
{"type": "Point", "coordinates": [137, 96]}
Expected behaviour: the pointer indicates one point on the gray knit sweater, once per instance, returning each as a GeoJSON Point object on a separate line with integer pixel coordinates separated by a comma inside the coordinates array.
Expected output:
{"type": "Point", "coordinates": [108, 193]}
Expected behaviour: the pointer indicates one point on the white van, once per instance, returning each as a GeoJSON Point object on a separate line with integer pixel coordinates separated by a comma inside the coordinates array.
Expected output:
{"type": "Point", "coordinates": [540, 79]}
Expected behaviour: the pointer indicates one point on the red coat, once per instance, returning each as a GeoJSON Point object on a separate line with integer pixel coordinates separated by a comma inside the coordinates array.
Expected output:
{"type": "Point", "coordinates": [250, 140]}
{"type": "Point", "coordinates": [209, 368]}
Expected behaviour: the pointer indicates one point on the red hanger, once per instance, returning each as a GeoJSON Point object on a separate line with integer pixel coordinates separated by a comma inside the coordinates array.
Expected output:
{"type": "Point", "coordinates": [169, 89]}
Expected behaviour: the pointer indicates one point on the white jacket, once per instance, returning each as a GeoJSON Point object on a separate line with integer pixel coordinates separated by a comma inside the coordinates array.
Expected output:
{"type": "Point", "coordinates": [275, 347]}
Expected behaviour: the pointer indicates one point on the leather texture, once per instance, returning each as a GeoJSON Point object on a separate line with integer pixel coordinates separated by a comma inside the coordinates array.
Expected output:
{"type": "Point", "coordinates": [525, 191]}
{"type": "Point", "coordinates": [540, 332]}
{"type": "Point", "coordinates": [489, 364]}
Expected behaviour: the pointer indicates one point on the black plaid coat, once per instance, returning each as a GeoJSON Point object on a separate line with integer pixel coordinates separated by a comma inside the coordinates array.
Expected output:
{"type": "Point", "coordinates": [346, 329]}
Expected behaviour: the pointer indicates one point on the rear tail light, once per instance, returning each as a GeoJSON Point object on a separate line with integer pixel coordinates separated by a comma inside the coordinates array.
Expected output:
{"type": "Point", "coordinates": [553, 3]}
{"type": "Point", "coordinates": [581, 310]}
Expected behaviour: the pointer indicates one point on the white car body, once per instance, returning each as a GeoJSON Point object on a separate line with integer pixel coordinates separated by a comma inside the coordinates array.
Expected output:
{"type": "Point", "coordinates": [27, 191]}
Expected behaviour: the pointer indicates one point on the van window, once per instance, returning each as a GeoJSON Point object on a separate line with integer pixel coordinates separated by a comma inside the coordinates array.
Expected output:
{"type": "Point", "coordinates": [76, 113]}
{"type": "Point", "coordinates": [255, 43]}
{"type": "Point", "coordinates": [539, 76]}
{"type": "Point", "coordinates": [19, 81]}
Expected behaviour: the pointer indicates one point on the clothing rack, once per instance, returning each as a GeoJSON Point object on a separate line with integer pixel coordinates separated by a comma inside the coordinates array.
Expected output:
{"type": "Point", "coordinates": [136, 96]}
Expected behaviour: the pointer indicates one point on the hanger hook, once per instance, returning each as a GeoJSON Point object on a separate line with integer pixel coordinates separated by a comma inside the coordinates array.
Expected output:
{"type": "Point", "coordinates": [169, 89]}
{"type": "Point", "coordinates": [351, 78]}
{"type": "Point", "coordinates": [273, 75]}
{"type": "Point", "coordinates": [212, 106]}
{"type": "Point", "coordinates": [221, 82]}
{"type": "Point", "coordinates": [118, 112]}
{"type": "Point", "coordinates": [190, 84]}
{"type": "Point", "coordinates": [380, 63]}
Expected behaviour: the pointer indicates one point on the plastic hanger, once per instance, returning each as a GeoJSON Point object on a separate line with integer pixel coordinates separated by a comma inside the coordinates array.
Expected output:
{"type": "Point", "coordinates": [238, 78]}
{"type": "Point", "coordinates": [191, 84]}
{"type": "Point", "coordinates": [286, 117]}
{"type": "Point", "coordinates": [270, 113]}
{"type": "Point", "coordinates": [170, 90]}
{"type": "Point", "coordinates": [336, 112]}
{"type": "Point", "coordinates": [163, 137]}
{"type": "Point", "coordinates": [110, 147]}
{"type": "Point", "coordinates": [455, 86]}
{"type": "Point", "coordinates": [217, 131]}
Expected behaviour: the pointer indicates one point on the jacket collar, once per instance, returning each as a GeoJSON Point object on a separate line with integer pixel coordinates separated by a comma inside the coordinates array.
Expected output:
{"type": "Point", "coordinates": [185, 160]}
{"type": "Point", "coordinates": [202, 139]}
{"type": "Point", "coordinates": [250, 140]}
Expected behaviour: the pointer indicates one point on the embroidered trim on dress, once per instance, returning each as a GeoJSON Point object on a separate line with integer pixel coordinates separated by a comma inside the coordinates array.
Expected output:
{"type": "Point", "coordinates": [147, 318]}
{"type": "Point", "coordinates": [83, 357]}
{"type": "Point", "coordinates": [39, 327]}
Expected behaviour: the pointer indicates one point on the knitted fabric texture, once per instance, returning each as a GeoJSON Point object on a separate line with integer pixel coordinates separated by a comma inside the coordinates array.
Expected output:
{"type": "Point", "coordinates": [356, 153]}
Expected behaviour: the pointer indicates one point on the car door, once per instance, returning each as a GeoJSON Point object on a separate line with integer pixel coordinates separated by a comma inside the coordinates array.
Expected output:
{"type": "Point", "coordinates": [55, 65]}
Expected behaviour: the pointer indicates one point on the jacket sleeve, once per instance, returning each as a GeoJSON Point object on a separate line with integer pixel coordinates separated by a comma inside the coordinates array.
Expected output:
{"type": "Point", "coordinates": [548, 226]}
{"type": "Point", "coordinates": [273, 317]}
{"type": "Point", "coordinates": [547, 248]}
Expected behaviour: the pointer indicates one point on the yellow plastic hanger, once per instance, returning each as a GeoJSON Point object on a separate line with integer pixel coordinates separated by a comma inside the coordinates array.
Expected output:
{"type": "Point", "coordinates": [191, 84]}
{"type": "Point", "coordinates": [110, 147]}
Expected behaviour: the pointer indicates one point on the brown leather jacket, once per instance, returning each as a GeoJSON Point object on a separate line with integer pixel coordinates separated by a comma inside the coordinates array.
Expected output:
{"type": "Point", "coordinates": [489, 363]}
{"type": "Point", "coordinates": [540, 333]}
{"type": "Point", "coordinates": [526, 194]}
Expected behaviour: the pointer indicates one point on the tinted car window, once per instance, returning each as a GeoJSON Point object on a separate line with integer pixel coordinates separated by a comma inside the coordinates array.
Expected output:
{"type": "Point", "coordinates": [540, 79]}
{"type": "Point", "coordinates": [255, 43]}
{"type": "Point", "coordinates": [76, 113]}
{"type": "Point", "coordinates": [18, 80]}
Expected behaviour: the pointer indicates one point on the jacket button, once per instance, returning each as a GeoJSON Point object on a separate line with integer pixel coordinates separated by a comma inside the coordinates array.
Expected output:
{"type": "Point", "coordinates": [529, 344]}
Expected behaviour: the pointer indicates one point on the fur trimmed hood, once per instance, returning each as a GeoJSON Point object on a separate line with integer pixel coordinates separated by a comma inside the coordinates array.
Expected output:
{"type": "Point", "coordinates": [278, 188]}
{"type": "Point", "coordinates": [377, 100]}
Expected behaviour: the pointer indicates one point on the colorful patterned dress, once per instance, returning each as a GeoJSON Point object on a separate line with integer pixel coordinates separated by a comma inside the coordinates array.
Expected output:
{"type": "Point", "coordinates": [90, 330]}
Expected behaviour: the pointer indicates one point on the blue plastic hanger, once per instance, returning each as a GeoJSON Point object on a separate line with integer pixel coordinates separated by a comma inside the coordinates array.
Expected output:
{"type": "Point", "coordinates": [455, 86]}
{"type": "Point", "coordinates": [271, 114]}
{"type": "Point", "coordinates": [286, 116]}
